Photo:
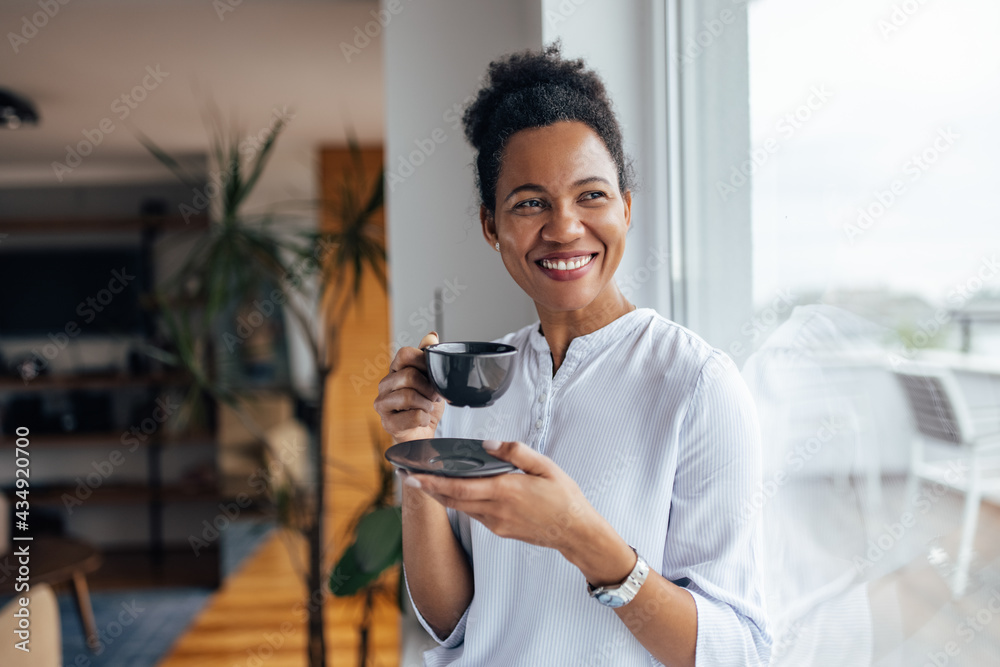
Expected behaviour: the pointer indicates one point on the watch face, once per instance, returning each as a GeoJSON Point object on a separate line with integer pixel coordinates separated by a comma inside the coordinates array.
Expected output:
{"type": "Point", "coordinates": [610, 600]}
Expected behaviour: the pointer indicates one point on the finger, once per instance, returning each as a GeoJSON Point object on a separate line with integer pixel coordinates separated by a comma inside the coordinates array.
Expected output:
{"type": "Point", "coordinates": [522, 456]}
{"type": "Point", "coordinates": [412, 378]}
{"type": "Point", "coordinates": [429, 339]}
{"type": "Point", "coordinates": [408, 356]}
{"type": "Point", "coordinates": [458, 490]}
{"type": "Point", "coordinates": [482, 510]}
{"type": "Point", "coordinates": [398, 422]}
{"type": "Point", "coordinates": [405, 399]}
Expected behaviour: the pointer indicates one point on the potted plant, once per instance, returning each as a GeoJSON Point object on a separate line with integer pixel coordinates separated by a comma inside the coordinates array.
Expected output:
{"type": "Point", "coordinates": [377, 548]}
{"type": "Point", "coordinates": [242, 254]}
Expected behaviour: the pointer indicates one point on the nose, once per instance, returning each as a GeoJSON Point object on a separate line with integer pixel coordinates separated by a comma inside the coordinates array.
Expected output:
{"type": "Point", "coordinates": [564, 225]}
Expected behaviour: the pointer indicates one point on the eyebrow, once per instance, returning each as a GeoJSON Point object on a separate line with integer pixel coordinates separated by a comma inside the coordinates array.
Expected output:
{"type": "Point", "coordinates": [539, 188]}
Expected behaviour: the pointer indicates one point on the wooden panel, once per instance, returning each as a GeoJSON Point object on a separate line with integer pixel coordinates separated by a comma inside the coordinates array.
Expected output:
{"type": "Point", "coordinates": [364, 347]}
{"type": "Point", "coordinates": [255, 613]}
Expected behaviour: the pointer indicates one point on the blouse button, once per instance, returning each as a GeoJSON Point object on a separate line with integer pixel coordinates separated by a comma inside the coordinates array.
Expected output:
{"type": "Point", "coordinates": [538, 423]}
{"type": "Point", "coordinates": [541, 399]}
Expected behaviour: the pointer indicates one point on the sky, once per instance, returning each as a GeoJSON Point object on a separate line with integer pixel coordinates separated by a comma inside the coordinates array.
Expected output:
{"type": "Point", "coordinates": [905, 96]}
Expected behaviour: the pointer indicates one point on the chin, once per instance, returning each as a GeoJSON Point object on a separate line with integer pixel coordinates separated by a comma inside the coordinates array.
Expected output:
{"type": "Point", "coordinates": [566, 303]}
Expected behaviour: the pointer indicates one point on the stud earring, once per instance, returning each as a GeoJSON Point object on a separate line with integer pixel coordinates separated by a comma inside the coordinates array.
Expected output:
{"type": "Point", "coordinates": [498, 246]}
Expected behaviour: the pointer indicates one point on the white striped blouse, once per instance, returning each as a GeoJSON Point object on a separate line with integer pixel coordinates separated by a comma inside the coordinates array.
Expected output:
{"type": "Point", "coordinates": [659, 431]}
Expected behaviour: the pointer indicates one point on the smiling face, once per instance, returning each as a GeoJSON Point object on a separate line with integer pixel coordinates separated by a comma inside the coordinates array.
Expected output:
{"type": "Point", "coordinates": [560, 217]}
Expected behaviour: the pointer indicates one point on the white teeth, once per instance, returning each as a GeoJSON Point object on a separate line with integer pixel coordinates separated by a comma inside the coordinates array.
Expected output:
{"type": "Point", "coordinates": [564, 265]}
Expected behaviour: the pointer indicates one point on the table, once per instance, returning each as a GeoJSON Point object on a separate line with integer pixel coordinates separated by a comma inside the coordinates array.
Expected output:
{"type": "Point", "coordinates": [57, 560]}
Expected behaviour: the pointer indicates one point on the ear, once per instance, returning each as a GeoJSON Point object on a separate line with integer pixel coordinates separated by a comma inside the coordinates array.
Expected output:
{"type": "Point", "coordinates": [489, 225]}
{"type": "Point", "coordinates": [627, 199]}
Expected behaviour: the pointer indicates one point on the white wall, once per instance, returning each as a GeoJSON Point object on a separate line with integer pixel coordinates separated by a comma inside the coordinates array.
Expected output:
{"type": "Point", "coordinates": [435, 53]}
{"type": "Point", "coordinates": [622, 41]}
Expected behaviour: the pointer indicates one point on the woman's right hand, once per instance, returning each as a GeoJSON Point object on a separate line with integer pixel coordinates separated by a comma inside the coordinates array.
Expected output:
{"type": "Point", "coordinates": [408, 404]}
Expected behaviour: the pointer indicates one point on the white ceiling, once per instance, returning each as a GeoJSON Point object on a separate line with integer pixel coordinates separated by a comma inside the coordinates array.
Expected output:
{"type": "Point", "coordinates": [260, 57]}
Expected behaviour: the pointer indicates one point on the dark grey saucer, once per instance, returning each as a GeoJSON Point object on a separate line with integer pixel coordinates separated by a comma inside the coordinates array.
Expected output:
{"type": "Point", "coordinates": [448, 457]}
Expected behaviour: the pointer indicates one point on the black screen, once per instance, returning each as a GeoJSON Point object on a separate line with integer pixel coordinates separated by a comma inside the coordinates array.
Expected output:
{"type": "Point", "coordinates": [45, 291]}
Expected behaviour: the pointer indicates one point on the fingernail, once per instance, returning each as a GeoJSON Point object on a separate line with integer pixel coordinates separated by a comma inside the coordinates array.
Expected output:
{"type": "Point", "coordinates": [410, 480]}
{"type": "Point", "coordinates": [491, 445]}
{"type": "Point", "coordinates": [434, 333]}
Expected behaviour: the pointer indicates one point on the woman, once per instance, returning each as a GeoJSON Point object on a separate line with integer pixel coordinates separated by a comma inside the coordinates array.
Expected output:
{"type": "Point", "coordinates": [623, 542]}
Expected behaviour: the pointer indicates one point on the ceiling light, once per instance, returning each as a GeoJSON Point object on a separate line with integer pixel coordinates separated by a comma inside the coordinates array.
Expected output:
{"type": "Point", "coordinates": [16, 111]}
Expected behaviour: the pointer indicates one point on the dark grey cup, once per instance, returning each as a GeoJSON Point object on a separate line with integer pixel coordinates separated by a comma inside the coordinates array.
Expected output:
{"type": "Point", "coordinates": [469, 373]}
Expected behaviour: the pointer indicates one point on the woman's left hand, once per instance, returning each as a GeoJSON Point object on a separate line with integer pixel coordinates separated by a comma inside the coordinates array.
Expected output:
{"type": "Point", "coordinates": [544, 506]}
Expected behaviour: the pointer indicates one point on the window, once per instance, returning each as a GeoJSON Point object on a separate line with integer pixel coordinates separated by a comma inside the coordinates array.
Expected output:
{"type": "Point", "coordinates": [874, 143]}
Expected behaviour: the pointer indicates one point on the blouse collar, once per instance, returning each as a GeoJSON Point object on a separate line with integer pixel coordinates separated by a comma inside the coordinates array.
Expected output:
{"type": "Point", "coordinates": [595, 340]}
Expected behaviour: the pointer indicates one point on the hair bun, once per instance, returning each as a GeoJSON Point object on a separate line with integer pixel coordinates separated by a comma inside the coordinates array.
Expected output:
{"type": "Point", "coordinates": [532, 89]}
{"type": "Point", "coordinates": [523, 71]}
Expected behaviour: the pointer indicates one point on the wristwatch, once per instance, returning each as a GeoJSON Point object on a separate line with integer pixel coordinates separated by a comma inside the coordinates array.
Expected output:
{"type": "Point", "coordinates": [623, 593]}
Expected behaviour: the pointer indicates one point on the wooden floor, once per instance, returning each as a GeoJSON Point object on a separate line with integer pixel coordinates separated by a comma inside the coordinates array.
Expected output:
{"type": "Point", "coordinates": [255, 619]}
{"type": "Point", "coordinates": [257, 614]}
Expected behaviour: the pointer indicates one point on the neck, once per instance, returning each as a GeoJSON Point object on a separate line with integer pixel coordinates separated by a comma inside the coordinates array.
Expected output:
{"type": "Point", "coordinates": [561, 327]}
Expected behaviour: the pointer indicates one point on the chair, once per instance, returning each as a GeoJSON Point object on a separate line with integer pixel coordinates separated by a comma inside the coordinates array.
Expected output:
{"type": "Point", "coordinates": [45, 641]}
{"type": "Point", "coordinates": [941, 413]}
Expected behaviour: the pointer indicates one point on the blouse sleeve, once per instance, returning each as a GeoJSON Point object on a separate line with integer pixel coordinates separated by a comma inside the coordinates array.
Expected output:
{"type": "Point", "coordinates": [457, 635]}
{"type": "Point", "coordinates": [709, 542]}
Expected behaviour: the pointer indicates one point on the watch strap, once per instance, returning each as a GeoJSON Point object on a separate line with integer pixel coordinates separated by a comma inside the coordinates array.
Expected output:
{"type": "Point", "coordinates": [625, 592]}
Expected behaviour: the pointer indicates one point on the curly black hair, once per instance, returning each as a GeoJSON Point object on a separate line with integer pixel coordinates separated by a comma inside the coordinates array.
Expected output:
{"type": "Point", "coordinates": [535, 89]}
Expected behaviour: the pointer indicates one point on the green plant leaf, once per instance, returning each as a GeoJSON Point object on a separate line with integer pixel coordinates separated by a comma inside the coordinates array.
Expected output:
{"type": "Point", "coordinates": [167, 160]}
{"type": "Point", "coordinates": [379, 539]}
{"type": "Point", "coordinates": [258, 164]}
{"type": "Point", "coordinates": [377, 196]}
{"type": "Point", "coordinates": [347, 577]}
